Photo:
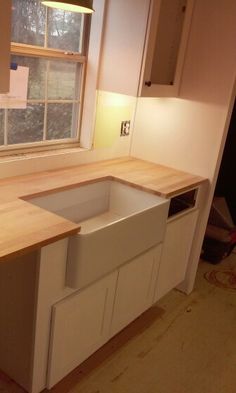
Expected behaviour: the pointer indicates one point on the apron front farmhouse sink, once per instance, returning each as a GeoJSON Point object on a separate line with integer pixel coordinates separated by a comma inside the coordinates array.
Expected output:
{"type": "Point", "coordinates": [117, 223]}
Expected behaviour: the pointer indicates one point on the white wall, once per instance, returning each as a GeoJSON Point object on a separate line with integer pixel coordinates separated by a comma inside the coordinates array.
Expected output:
{"type": "Point", "coordinates": [42, 161]}
{"type": "Point", "coordinates": [181, 133]}
{"type": "Point", "coordinates": [187, 133]}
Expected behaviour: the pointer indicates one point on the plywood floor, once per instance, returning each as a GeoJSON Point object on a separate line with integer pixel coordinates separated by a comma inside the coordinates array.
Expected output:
{"type": "Point", "coordinates": [186, 344]}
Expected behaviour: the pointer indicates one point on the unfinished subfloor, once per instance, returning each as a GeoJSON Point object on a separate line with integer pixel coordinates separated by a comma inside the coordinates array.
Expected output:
{"type": "Point", "coordinates": [185, 344]}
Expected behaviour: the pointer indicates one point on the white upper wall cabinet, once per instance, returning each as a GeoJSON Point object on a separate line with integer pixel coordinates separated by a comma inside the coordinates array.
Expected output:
{"type": "Point", "coordinates": [166, 40]}
{"type": "Point", "coordinates": [5, 38]}
{"type": "Point", "coordinates": [122, 48]}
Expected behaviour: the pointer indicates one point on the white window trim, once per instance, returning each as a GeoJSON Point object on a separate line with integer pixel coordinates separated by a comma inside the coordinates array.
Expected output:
{"type": "Point", "coordinates": [90, 97]}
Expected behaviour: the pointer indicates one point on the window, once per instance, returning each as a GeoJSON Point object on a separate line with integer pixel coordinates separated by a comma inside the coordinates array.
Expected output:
{"type": "Point", "coordinates": [52, 44]}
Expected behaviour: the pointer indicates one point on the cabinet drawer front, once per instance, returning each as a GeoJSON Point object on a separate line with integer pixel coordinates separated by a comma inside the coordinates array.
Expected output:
{"type": "Point", "coordinates": [80, 325]}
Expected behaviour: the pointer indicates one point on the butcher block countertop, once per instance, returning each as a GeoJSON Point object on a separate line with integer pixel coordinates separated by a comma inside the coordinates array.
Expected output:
{"type": "Point", "coordinates": [26, 227]}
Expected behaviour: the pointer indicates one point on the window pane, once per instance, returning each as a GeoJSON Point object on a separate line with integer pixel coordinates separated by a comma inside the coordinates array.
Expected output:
{"type": "Point", "coordinates": [28, 22]}
{"type": "Point", "coordinates": [64, 30]}
{"type": "Point", "coordinates": [26, 125]}
{"type": "Point", "coordinates": [37, 75]}
{"type": "Point", "coordinates": [62, 81]}
{"type": "Point", "coordinates": [59, 121]}
{"type": "Point", "coordinates": [1, 126]}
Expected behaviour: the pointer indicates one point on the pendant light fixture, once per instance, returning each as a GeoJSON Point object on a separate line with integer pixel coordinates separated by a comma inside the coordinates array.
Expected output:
{"type": "Point", "coordinates": [82, 6]}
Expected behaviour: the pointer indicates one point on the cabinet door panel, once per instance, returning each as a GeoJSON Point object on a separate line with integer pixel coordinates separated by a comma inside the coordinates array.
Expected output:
{"type": "Point", "coordinates": [80, 325]}
{"type": "Point", "coordinates": [166, 42]}
{"type": "Point", "coordinates": [175, 254]}
{"type": "Point", "coordinates": [135, 288]}
{"type": "Point", "coordinates": [5, 38]}
{"type": "Point", "coordinates": [125, 26]}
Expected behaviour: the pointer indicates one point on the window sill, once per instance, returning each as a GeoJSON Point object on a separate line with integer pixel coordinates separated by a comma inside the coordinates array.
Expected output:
{"type": "Point", "coordinates": [38, 154]}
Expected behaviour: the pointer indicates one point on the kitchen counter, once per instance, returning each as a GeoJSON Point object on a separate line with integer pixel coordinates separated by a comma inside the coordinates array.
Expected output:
{"type": "Point", "coordinates": [25, 227]}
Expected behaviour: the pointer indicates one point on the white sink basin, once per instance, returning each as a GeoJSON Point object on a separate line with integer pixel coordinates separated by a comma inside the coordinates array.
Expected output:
{"type": "Point", "coordinates": [117, 222]}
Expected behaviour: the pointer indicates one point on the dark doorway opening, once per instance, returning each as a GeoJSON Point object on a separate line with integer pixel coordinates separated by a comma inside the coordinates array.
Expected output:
{"type": "Point", "coordinates": [226, 182]}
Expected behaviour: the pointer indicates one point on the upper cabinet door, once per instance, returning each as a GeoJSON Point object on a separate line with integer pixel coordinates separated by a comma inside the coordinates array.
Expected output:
{"type": "Point", "coordinates": [122, 49]}
{"type": "Point", "coordinates": [5, 40]}
{"type": "Point", "coordinates": [166, 41]}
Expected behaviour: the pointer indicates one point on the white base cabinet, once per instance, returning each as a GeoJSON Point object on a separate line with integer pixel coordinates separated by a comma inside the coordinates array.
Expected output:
{"type": "Point", "coordinates": [80, 325]}
{"type": "Point", "coordinates": [175, 253]}
{"type": "Point", "coordinates": [135, 288]}
{"type": "Point", "coordinates": [87, 319]}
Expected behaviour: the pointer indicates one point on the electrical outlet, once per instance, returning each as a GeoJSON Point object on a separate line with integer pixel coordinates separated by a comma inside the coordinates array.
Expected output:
{"type": "Point", "coordinates": [125, 128]}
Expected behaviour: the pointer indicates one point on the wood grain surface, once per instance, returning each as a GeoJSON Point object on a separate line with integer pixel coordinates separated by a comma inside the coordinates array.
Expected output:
{"type": "Point", "coordinates": [25, 227]}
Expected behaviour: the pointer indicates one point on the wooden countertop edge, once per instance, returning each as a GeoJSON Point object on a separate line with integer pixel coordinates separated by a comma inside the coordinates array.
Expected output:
{"type": "Point", "coordinates": [183, 189]}
{"type": "Point", "coordinates": [65, 188]}
{"type": "Point", "coordinates": [37, 245]}
{"type": "Point", "coordinates": [118, 179]}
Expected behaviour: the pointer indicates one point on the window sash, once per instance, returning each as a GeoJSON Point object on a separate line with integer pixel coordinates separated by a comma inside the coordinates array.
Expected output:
{"type": "Point", "coordinates": [53, 54]}
{"type": "Point", "coordinates": [76, 117]}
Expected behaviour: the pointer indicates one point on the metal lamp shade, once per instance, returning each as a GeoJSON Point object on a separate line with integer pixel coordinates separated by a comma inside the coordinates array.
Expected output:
{"type": "Point", "coordinates": [82, 6]}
